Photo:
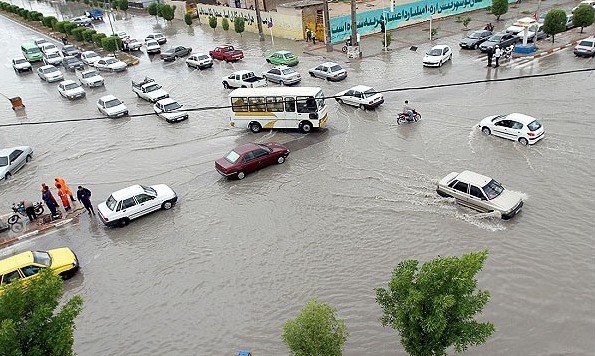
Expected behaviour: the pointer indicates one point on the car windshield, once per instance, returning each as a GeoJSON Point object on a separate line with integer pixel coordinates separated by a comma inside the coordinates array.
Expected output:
{"type": "Point", "coordinates": [493, 189]}
{"type": "Point", "coordinates": [152, 43]}
{"type": "Point", "coordinates": [33, 50]}
{"type": "Point", "coordinates": [288, 71]}
{"type": "Point", "coordinates": [203, 57]}
{"type": "Point", "coordinates": [586, 43]}
{"type": "Point", "coordinates": [435, 52]}
{"type": "Point", "coordinates": [112, 103]}
{"type": "Point", "coordinates": [153, 87]}
{"type": "Point", "coordinates": [336, 68]}
{"type": "Point", "coordinates": [495, 38]}
{"type": "Point", "coordinates": [474, 35]}
{"type": "Point", "coordinates": [69, 48]}
{"type": "Point", "coordinates": [232, 157]}
{"type": "Point", "coordinates": [89, 74]}
{"type": "Point", "coordinates": [149, 190]}
{"type": "Point", "coordinates": [534, 125]}
{"type": "Point", "coordinates": [50, 70]}
{"type": "Point", "coordinates": [42, 257]}
{"type": "Point", "coordinates": [91, 55]}
{"type": "Point", "coordinates": [70, 60]}
{"type": "Point", "coordinates": [170, 51]}
{"type": "Point", "coordinates": [71, 86]}
{"type": "Point", "coordinates": [19, 61]}
{"type": "Point", "coordinates": [498, 118]}
{"type": "Point", "coordinates": [111, 61]}
{"type": "Point", "coordinates": [3, 161]}
{"type": "Point", "coordinates": [172, 106]}
{"type": "Point", "coordinates": [53, 55]}
{"type": "Point", "coordinates": [370, 92]}
{"type": "Point", "coordinates": [111, 203]}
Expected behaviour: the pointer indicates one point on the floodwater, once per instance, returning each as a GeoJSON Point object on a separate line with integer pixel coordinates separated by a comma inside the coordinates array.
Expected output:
{"type": "Point", "coordinates": [234, 260]}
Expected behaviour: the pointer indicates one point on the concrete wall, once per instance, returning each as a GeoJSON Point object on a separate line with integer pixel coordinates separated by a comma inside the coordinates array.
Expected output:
{"type": "Point", "coordinates": [284, 25]}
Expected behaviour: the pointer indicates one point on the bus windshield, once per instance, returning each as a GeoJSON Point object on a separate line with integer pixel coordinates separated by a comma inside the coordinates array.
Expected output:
{"type": "Point", "coordinates": [320, 100]}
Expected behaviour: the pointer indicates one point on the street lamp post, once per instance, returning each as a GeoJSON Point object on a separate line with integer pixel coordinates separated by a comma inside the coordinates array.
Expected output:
{"type": "Point", "coordinates": [327, 28]}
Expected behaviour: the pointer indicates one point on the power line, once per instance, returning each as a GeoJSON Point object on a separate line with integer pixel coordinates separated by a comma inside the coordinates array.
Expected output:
{"type": "Point", "coordinates": [390, 90]}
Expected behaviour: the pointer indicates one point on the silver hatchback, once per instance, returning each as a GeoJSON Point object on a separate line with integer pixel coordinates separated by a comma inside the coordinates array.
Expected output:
{"type": "Point", "coordinates": [282, 75]}
{"type": "Point", "coordinates": [13, 159]}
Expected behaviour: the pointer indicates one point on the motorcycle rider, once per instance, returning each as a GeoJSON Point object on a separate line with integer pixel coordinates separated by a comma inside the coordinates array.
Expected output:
{"type": "Point", "coordinates": [408, 110]}
{"type": "Point", "coordinates": [29, 209]}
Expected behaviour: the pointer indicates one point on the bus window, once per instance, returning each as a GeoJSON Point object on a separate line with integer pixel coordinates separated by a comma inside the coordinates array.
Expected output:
{"type": "Point", "coordinates": [239, 104]}
{"type": "Point", "coordinates": [306, 104]}
{"type": "Point", "coordinates": [289, 104]}
{"type": "Point", "coordinates": [275, 103]}
{"type": "Point", "coordinates": [257, 104]}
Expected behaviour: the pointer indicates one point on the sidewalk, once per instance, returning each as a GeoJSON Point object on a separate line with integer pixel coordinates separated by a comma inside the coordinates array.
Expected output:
{"type": "Point", "coordinates": [418, 34]}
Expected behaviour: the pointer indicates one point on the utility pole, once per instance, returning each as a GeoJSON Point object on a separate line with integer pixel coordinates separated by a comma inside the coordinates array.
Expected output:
{"type": "Point", "coordinates": [327, 28]}
{"type": "Point", "coordinates": [259, 20]}
{"type": "Point", "coordinates": [354, 41]}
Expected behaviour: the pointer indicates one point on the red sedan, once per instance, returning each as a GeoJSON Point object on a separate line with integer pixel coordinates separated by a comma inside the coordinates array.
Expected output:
{"type": "Point", "coordinates": [249, 158]}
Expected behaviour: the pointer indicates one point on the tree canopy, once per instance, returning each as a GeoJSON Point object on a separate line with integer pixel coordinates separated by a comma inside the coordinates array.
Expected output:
{"type": "Point", "coordinates": [499, 8]}
{"type": "Point", "coordinates": [316, 331]}
{"type": "Point", "coordinates": [30, 324]}
{"type": "Point", "coordinates": [432, 307]}
{"type": "Point", "coordinates": [239, 24]}
{"type": "Point", "coordinates": [555, 22]}
{"type": "Point", "coordinates": [583, 16]}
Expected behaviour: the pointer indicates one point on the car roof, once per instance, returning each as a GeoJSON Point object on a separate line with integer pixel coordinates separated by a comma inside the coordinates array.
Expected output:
{"type": "Point", "coordinates": [247, 147]}
{"type": "Point", "coordinates": [107, 98]}
{"type": "Point", "coordinates": [155, 34]}
{"type": "Point", "coordinates": [473, 178]}
{"type": "Point", "coordinates": [361, 88]}
{"type": "Point", "coordinates": [166, 101]}
{"type": "Point", "coordinates": [65, 82]}
{"type": "Point", "coordinates": [8, 150]}
{"type": "Point", "coordinates": [283, 52]}
{"type": "Point", "coordinates": [243, 71]}
{"type": "Point", "coordinates": [11, 262]}
{"type": "Point", "coordinates": [329, 64]}
{"type": "Point", "coordinates": [127, 192]}
{"type": "Point", "coordinates": [439, 46]}
{"type": "Point", "coordinates": [47, 66]}
{"type": "Point", "coordinates": [89, 52]}
{"type": "Point", "coordinates": [281, 67]}
{"type": "Point", "coordinates": [522, 118]}
{"type": "Point", "coordinates": [23, 58]}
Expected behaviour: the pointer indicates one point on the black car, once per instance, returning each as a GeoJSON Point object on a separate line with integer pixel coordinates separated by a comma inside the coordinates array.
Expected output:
{"type": "Point", "coordinates": [175, 52]}
{"type": "Point", "coordinates": [72, 63]}
{"type": "Point", "coordinates": [475, 38]}
{"type": "Point", "coordinates": [71, 50]}
{"type": "Point", "coordinates": [502, 39]}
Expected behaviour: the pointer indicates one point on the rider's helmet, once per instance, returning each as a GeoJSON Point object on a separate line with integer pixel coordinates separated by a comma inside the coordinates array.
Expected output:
{"type": "Point", "coordinates": [406, 101]}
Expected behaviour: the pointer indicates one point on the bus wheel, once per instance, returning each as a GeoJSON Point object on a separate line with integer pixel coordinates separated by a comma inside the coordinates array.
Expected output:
{"type": "Point", "coordinates": [306, 126]}
{"type": "Point", "coordinates": [255, 127]}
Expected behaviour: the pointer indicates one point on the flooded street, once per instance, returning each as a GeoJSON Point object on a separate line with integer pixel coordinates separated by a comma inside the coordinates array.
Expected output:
{"type": "Point", "coordinates": [233, 260]}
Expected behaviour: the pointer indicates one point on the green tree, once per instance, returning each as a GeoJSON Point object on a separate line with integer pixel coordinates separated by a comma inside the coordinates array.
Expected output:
{"type": "Point", "coordinates": [30, 321]}
{"type": "Point", "coordinates": [77, 33]}
{"type": "Point", "coordinates": [152, 10]}
{"type": "Point", "coordinates": [98, 38]}
{"type": "Point", "coordinates": [238, 25]}
{"type": "Point", "coordinates": [316, 331]}
{"type": "Point", "coordinates": [213, 22]}
{"type": "Point", "coordinates": [111, 44]}
{"type": "Point", "coordinates": [433, 307]}
{"type": "Point", "coordinates": [88, 35]}
{"type": "Point", "coordinates": [225, 24]}
{"type": "Point", "coordinates": [115, 4]}
{"type": "Point", "coordinates": [188, 19]}
{"type": "Point", "coordinates": [124, 7]}
{"type": "Point", "coordinates": [583, 16]}
{"type": "Point", "coordinates": [160, 9]}
{"type": "Point", "coordinates": [555, 22]}
{"type": "Point", "coordinates": [499, 8]}
{"type": "Point", "coordinates": [69, 26]}
{"type": "Point", "coordinates": [168, 12]}
{"type": "Point", "coordinates": [59, 26]}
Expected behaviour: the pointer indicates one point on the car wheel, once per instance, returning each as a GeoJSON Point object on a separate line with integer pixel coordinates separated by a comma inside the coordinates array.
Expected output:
{"type": "Point", "coordinates": [340, 101]}
{"type": "Point", "coordinates": [474, 47]}
{"type": "Point", "coordinates": [486, 131]}
{"type": "Point", "coordinates": [450, 58]}
{"type": "Point", "coordinates": [281, 159]}
{"type": "Point", "coordinates": [268, 61]}
{"type": "Point", "coordinates": [241, 175]}
{"type": "Point", "coordinates": [362, 106]}
{"type": "Point", "coordinates": [28, 158]}
{"type": "Point", "coordinates": [225, 85]}
{"type": "Point", "coordinates": [123, 222]}
{"type": "Point", "coordinates": [523, 141]}
{"type": "Point", "coordinates": [312, 75]}
{"type": "Point", "coordinates": [226, 60]}
{"type": "Point", "coordinates": [306, 126]}
{"type": "Point", "coordinates": [442, 194]}
{"type": "Point", "coordinates": [255, 127]}
{"type": "Point", "coordinates": [282, 82]}
{"type": "Point", "coordinates": [440, 63]}
{"type": "Point", "coordinates": [167, 205]}
{"type": "Point", "coordinates": [7, 176]}
{"type": "Point", "coordinates": [137, 95]}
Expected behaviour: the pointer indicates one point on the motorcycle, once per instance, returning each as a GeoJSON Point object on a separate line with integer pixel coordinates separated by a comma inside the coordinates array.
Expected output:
{"type": "Point", "coordinates": [507, 53]}
{"type": "Point", "coordinates": [347, 44]}
{"type": "Point", "coordinates": [404, 118]}
{"type": "Point", "coordinates": [19, 210]}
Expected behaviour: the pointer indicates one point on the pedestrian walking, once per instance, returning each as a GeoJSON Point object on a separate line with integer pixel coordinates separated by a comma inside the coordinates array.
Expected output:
{"type": "Point", "coordinates": [313, 37]}
{"type": "Point", "coordinates": [497, 55]}
{"type": "Point", "coordinates": [44, 187]}
{"type": "Point", "coordinates": [490, 56]}
{"type": "Point", "coordinates": [64, 197]}
{"type": "Point", "coordinates": [29, 209]}
{"type": "Point", "coordinates": [49, 200]}
{"type": "Point", "coordinates": [58, 180]}
{"type": "Point", "coordinates": [308, 34]}
{"type": "Point", "coordinates": [84, 196]}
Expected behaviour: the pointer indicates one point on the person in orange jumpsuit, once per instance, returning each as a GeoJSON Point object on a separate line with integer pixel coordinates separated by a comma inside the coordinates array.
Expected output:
{"type": "Point", "coordinates": [62, 183]}
{"type": "Point", "coordinates": [63, 196]}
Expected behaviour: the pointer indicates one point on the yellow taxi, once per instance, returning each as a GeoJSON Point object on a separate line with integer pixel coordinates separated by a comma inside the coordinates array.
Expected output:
{"type": "Point", "coordinates": [62, 261]}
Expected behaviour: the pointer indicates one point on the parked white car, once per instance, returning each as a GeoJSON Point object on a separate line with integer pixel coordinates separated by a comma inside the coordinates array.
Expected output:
{"type": "Point", "coordinates": [135, 201]}
{"type": "Point", "coordinates": [585, 48]}
{"type": "Point", "coordinates": [53, 58]}
{"type": "Point", "coordinates": [39, 41]}
{"type": "Point", "coordinates": [517, 127]}
{"type": "Point", "coordinates": [71, 90]}
{"type": "Point", "coordinates": [90, 78]}
{"type": "Point", "coordinates": [90, 57]}
{"type": "Point", "coordinates": [20, 64]}
{"type": "Point", "coordinates": [122, 34]}
{"type": "Point", "coordinates": [110, 64]}
{"type": "Point", "coordinates": [329, 71]}
{"type": "Point", "coordinates": [199, 61]}
{"type": "Point", "coordinates": [170, 110]}
{"type": "Point", "coordinates": [152, 46]}
{"type": "Point", "coordinates": [48, 47]}
{"type": "Point", "coordinates": [481, 193]}
{"type": "Point", "coordinates": [81, 20]}
{"type": "Point", "coordinates": [437, 56]}
{"type": "Point", "coordinates": [283, 75]}
{"type": "Point", "coordinates": [157, 36]}
{"type": "Point", "coordinates": [13, 159]}
{"type": "Point", "coordinates": [111, 106]}
{"type": "Point", "coordinates": [49, 73]}
{"type": "Point", "coordinates": [360, 95]}
{"type": "Point", "coordinates": [585, 2]}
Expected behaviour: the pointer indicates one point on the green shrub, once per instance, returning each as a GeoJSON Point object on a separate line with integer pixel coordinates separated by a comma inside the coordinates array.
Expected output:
{"type": "Point", "coordinates": [225, 24]}
{"type": "Point", "coordinates": [97, 38]}
{"type": "Point", "coordinates": [111, 43]}
{"type": "Point", "coordinates": [188, 19]}
{"type": "Point", "coordinates": [77, 33]}
{"type": "Point", "coordinates": [59, 26]}
{"type": "Point", "coordinates": [69, 26]}
{"type": "Point", "coordinates": [88, 35]}
{"type": "Point", "coordinates": [238, 25]}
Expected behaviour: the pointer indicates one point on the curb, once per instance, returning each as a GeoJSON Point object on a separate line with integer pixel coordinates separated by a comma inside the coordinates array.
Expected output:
{"type": "Point", "coordinates": [549, 51]}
